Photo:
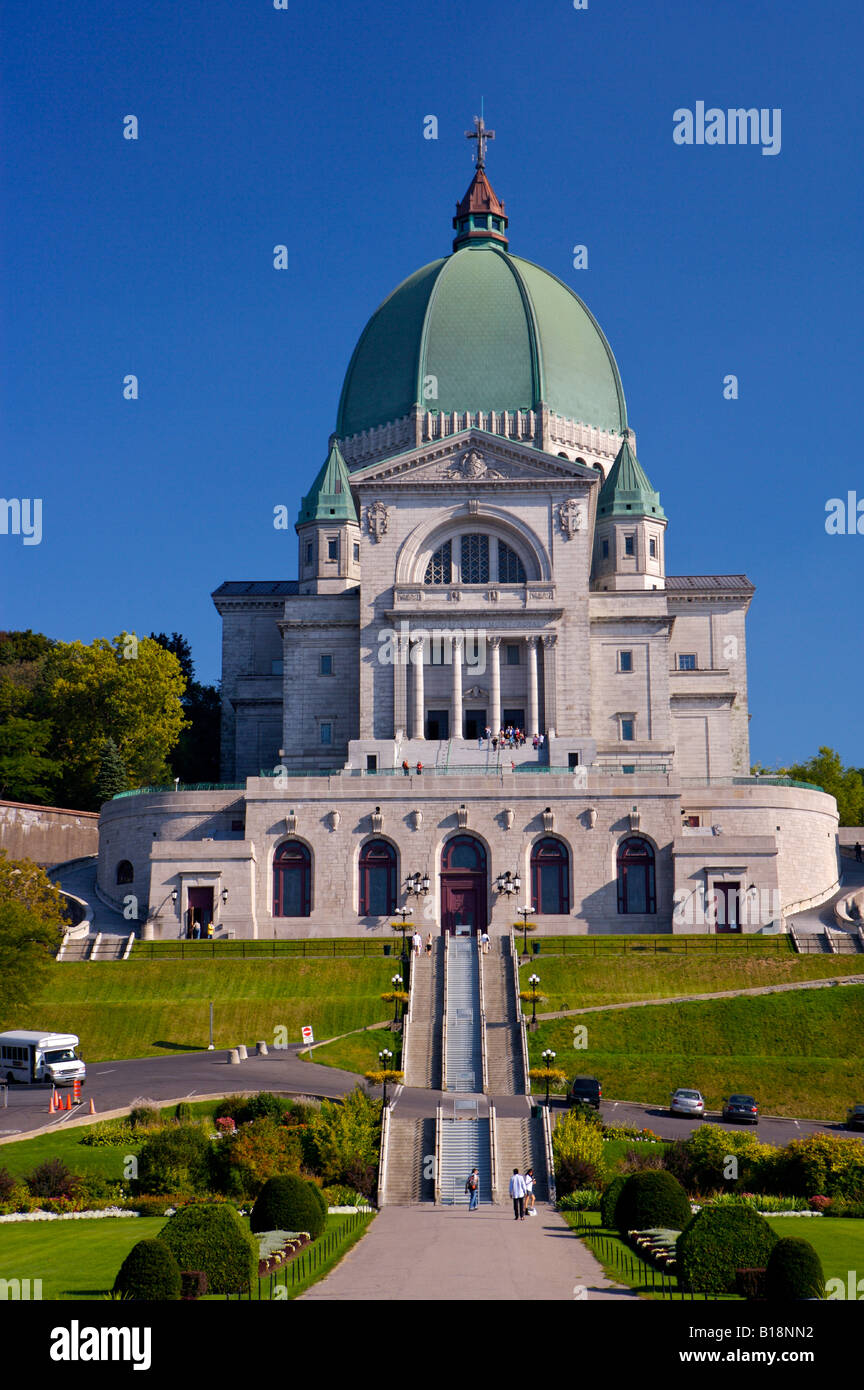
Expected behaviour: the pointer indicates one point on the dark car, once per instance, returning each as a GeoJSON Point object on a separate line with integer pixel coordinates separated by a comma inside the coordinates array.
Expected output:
{"type": "Point", "coordinates": [855, 1117]}
{"type": "Point", "coordinates": [586, 1090]}
{"type": "Point", "coordinates": [742, 1108]}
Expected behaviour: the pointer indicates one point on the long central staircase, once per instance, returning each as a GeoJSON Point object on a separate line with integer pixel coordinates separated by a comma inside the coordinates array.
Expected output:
{"type": "Point", "coordinates": [464, 1034]}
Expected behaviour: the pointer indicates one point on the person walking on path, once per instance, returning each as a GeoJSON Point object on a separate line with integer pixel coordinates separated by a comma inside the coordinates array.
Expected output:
{"type": "Point", "coordinates": [417, 943]}
{"type": "Point", "coordinates": [484, 943]}
{"type": "Point", "coordinates": [517, 1192]}
{"type": "Point", "coordinates": [530, 1199]}
{"type": "Point", "coordinates": [429, 944]}
{"type": "Point", "coordinates": [472, 1186]}
{"type": "Point", "coordinates": [858, 851]}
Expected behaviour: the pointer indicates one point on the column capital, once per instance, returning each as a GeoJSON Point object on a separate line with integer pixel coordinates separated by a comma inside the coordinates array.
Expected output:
{"type": "Point", "coordinates": [494, 642]}
{"type": "Point", "coordinates": [549, 639]}
{"type": "Point", "coordinates": [531, 639]}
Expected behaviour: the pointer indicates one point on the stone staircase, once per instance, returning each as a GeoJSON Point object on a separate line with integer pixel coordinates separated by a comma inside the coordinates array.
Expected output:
{"type": "Point", "coordinates": [503, 1034]}
{"type": "Point", "coordinates": [410, 1161]}
{"type": "Point", "coordinates": [423, 1040]}
{"type": "Point", "coordinates": [463, 1059]}
{"type": "Point", "coordinates": [519, 1144]}
{"type": "Point", "coordinates": [464, 1145]}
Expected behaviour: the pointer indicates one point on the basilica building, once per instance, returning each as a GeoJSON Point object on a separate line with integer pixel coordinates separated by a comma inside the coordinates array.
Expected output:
{"type": "Point", "coordinates": [484, 691]}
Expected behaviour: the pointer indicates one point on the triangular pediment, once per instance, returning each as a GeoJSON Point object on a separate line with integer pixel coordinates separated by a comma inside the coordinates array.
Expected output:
{"type": "Point", "coordinates": [472, 459]}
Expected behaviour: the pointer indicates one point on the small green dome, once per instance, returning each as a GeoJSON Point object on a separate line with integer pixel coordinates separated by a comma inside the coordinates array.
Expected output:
{"type": "Point", "coordinates": [487, 331]}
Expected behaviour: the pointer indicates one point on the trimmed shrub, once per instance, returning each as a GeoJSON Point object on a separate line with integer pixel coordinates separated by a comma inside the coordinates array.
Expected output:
{"type": "Point", "coordinates": [289, 1203]}
{"type": "Point", "coordinates": [609, 1201]}
{"type": "Point", "coordinates": [210, 1236]}
{"type": "Point", "coordinates": [652, 1199]}
{"type": "Point", "coordinates": [52, 1179]}
{"type": "Point", "coordinates": [231, 1108]}
{"type": "Point", "coordinates": [709, 1150]}
{"type": "Point", "coordinates": [719, 1241]}
{"type": "Point", "coordinates": [149, 1274]}
{"type": "Point", "coordinates": [794, 1272]}
{"type": "Point", "coordinates": [321, 1199]}
{"type": "Point", "coordinates": [144, 1115]}
{"type": "Point", "coordinates": [265, 1106]}
{"type": "Point", "coordinates": [183, 1113]}
{"type": "Point", "coordinates": [175, 1159]}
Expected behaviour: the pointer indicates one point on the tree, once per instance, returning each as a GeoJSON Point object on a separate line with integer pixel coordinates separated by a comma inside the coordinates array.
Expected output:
{"type": "Point", "coordinates": [128, 691]}
{"type": "Point", "coordinates": [196, 756]}
{"type": "Point", "coordinates": [111, 777]}
{"type": "Point", "coordinates": [27, 773]}
{"type": "Point", "coordinates": [845, 784]}
{"type": "Point", "coordinates": [31, 929]}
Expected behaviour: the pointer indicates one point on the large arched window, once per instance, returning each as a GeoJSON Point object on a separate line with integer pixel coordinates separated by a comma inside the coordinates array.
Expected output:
{"type": "Point", "coordinates": [636, 876]}
{"type": "Point", "coordinates": [125, 872]}
{"type": "Point", "coordinates": [475, 558]}
{"type": "Point", "coordinates": [464, 852]}
{"type": "Point", "coordinates": [377, 879]}
{"type": "Point", "coordinates": [550, 877]}
{"type": "Point", "coordinates": [292, 880]}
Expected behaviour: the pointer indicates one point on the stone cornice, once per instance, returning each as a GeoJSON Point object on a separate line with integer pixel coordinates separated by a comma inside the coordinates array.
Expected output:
{"type": "Point", "coordinates": [541, 468]}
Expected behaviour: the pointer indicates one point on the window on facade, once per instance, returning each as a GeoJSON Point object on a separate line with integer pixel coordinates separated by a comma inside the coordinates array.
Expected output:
{"type": "Point", "coordinates": [356, 553]}
{"type": "Point", "coordinates": [629, 545]}
{"type": "Point", "coordinates": [292, 881]}
{"type": "Point", "coordinates": [550, 875]}
{"type": "Point", "coordinates": [625, 661]}
{"type": "Point", "coordinates": [125, 872]}
{"type": "Point", "coordinates": [692, 822]}
{"type": "Point", "coordinates": [333, 550]}
{"type": "Point", "coordinates": [510, 568]}
{"type": "Point", "coordinates": [309, 552]}
{"type": "Point", "coordinates": [325, 664]}
{"type": "Point", "coordinates": [636, 876]}
{"type": "Point", "coordinates": [628, 728]}
{"type": "Point", "coordinates": [512, 650]}
{"type": "Point", "coordinates": [475, 559]}
{"type": "Point", "coordinates": [652, 548]}
{"type": "Point", "coordinates": [327, 734]}
{"type": "Point", "coordinates": [605, 550]}
{"type": "Point", "coordinates": [377, 879]}
{"type": "Point", "coordinates": [687, 661]}
{"type": "Point", "coordinates": [628, 769]}
{"type": "Point", "coordinates": [440, 568]}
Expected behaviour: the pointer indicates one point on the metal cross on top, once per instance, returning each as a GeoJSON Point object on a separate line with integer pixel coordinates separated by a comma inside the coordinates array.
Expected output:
{"type": "Point", "coordinates": [481, 135]}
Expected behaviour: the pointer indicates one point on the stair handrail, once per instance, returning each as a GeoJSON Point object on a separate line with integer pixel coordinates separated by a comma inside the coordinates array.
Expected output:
{"type": "Point", "coordinates": [493, 1152]}
{"type": "Point", "coordinates": [385, 1144]}
{"type": "Point", "coordinates": [127, 950]}
{"type": "Point", "coordinates": [406, 1021]}
{"type": "Point", "coordinates": [95, 947]}
{"type": "Point", "coordinates": [444, 1014]}
{"type": "Point", "coordinates": [523, 1030]}
{"type": "Point", "coordinates": [439, 1114]}
{"type": "Point", "coordinates": [484, 1056]}
{"type": "Point", "coordinates": [549, 1154]}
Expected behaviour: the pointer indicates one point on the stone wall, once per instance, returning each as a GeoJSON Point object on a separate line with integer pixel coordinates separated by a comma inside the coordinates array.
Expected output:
{"type": "Point", "coordinates": [47, 834]}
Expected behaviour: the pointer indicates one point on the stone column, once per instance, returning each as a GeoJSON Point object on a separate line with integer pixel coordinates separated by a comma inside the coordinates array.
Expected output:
{"type": "Point", "coordinates": [418, 651]}
{"type": "Point", "coordinates": [494, 653]}
{"type": "Point", "coordinates": [456, 697]}
{"type": "Point", "coordinates": [400, 687]}
{"type": "Point", "coordinates": [550, 683]}
{"type": "Point", "coordinates": [533, 715]}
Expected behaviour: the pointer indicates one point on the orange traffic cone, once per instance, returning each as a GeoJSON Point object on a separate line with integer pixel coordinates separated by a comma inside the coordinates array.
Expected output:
{"type": "Point", "coordinates": [69, 1101]}
{"type": "Point", "coordinates": [51, 1106]}
{"type": "Point", "coordinates": [92, 1107]}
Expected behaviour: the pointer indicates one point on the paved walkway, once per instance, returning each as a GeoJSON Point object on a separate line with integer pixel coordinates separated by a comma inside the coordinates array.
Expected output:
{"type": "Point", "coordinates": [446, 1254]}
{"type": "Point", "coordinates": [827, 982]}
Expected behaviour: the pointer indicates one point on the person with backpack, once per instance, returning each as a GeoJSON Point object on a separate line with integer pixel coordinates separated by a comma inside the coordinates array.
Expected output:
{"type": "Point", "coordinates": [472, 1186]}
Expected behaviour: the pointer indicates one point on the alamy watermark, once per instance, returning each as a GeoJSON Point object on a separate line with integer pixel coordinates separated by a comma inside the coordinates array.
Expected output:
{"type": "Point", "coordinates": [22, 516]}
{"type": "Point", "coordinates": [735, 126]}
{"type": "Point", "coordinates": [435, 646]}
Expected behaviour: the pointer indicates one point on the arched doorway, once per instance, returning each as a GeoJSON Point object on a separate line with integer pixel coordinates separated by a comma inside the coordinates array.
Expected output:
{"type": "Point", "coordinates": [463, 886]}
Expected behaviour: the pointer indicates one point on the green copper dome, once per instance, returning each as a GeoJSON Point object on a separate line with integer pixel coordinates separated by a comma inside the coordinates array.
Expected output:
{"type": "Point", "coordinates": [485, 330]}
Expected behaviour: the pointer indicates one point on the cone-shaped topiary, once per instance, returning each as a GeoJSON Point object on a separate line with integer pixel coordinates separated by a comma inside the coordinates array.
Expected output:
{"type": "Point", "coordinates": [718, 1241]}
{"type": "Point", "coordinates": [289, 1203]}
{"type": "Point", "coordinates": [149, 1274]}
{"type": "Point", "coordinates": [211, 1237]}
{"type": "Point", "coordinates": [649, 1199]}
{"type": "Point", "coordinates": [794, 1271]}
{"type": "Point", "coordinates": [609, 1201]}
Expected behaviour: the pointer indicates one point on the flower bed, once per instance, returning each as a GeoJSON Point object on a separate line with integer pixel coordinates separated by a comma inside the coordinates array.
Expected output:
{"type": "Point", "coordinates": [67, 1215]}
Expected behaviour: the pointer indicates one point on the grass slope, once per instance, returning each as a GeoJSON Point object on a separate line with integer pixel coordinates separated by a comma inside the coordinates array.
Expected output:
{"type": "Point", "coordinates": [146, 1009]}
{"type": "Point", "coordinates": [794, 1052]}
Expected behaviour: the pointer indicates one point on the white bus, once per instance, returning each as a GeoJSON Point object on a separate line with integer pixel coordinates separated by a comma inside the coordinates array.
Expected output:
{"type": "Point", "coordinates": [48, 1057]}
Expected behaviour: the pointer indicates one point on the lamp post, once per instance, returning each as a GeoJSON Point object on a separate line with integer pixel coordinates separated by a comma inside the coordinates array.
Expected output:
{"type": "Point", "coordinates": [385, 1057]}
{"type": "Point", "coordinates": [396, 982]}
{"type": "Point", "coordinates": [534, 981]}
{"type": "Point", "coordinates": [548, 1058]}
{"type": "Point", "coordinates": [524, 913]}
{"type": "Point", "coordinates": [404, 913]}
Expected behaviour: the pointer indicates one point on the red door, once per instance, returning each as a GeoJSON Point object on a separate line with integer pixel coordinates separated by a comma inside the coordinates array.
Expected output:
{"type": "Point", "coordinates": [200, 910]}
{"type": "Point", "coordinates": [460, 908]}
{"type": "Point", "coordinates": [463, 886]}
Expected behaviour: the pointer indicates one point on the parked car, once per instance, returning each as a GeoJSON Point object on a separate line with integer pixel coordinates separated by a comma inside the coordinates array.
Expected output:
{"type": "Point", "coordinates": [686, 1102]}
{"type": "Point", "coordinates": [742, 1108]}
{"type": "Point", "coordinates": [585, 1090]}
{"type": "Point", "coordinates": [855, 1117]}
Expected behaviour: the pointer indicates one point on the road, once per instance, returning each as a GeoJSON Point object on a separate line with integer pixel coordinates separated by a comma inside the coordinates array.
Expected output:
{"type": "Point", "coordinates": [115, 1085]}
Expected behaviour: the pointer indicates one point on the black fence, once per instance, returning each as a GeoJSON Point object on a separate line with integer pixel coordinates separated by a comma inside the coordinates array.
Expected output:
{"type": "Point", "coordinates": [642, 1275]}
{"type": "Point", "coordinates": [253, 949]}
{"type": "Point", "coordinates": [307, 1261]}
{"type": "Point", "coordinates": [655, 945]}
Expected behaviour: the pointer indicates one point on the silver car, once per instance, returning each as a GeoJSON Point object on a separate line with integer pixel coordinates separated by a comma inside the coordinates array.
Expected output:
{"type": "Point", "coordinates": [685, 1102]}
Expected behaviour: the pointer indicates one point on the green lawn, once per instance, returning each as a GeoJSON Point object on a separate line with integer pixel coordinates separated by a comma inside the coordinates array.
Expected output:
{"type": "Point", "coordinates": [359, 1051]}
{"type": "Point", "coordinates": [149, 1008]}
{"type": "Point", "coordinates": [838, 1242]}
{"type": "Point", "coordinates": [80, 1259]}
{"type": "Point", "coordinates": [23, 1155]}
{"type": "Point", "coordinates": [794, 1052]}
{"type": "Point", "coordinates": [577, 982]}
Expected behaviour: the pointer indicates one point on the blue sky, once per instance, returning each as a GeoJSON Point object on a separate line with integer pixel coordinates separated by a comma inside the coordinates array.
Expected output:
{"type": "Point", "coordinates": [260, 126]}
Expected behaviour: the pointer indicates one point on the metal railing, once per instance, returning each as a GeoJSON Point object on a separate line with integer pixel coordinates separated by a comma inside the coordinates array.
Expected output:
{"type": "Point", "coordinates": [444, 1017]}
{"type": "Point", "coordinates": [671, 944]}
{"type": "Point", "coordinates": [493, 1153]}
{"type": "Point", "coordinates": [484, 1059]}
{"type": "Point", "coordinates": [250, 948]}
{"type": "Point", "coordinates": [523, 1030]}
{"type": "Point", "coordinates": [385, 1140]}
{"type": "Point", "coordinates": [439, 1118]}
{"type": "Point", "coordinates": [548, 1153]}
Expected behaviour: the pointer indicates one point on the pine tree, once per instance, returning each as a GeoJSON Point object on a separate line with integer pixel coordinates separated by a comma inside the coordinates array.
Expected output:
{"type": "Point", "coordinates": [111, 777]}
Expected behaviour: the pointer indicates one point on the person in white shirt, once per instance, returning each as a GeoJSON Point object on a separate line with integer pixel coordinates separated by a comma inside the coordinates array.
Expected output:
{"type": "Point", "coordinates": [484, 943]}
{"type": "Point", "coordinates": [417, 943]}
{"type": "Point", "coordinates": [530, 1200]}
{"type": "Point", "coordinates": [517, 1192]}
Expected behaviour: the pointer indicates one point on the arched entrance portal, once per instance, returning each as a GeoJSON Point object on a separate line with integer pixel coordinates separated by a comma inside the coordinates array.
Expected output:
{"type": "Point", "coordinates": [463, 886]}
